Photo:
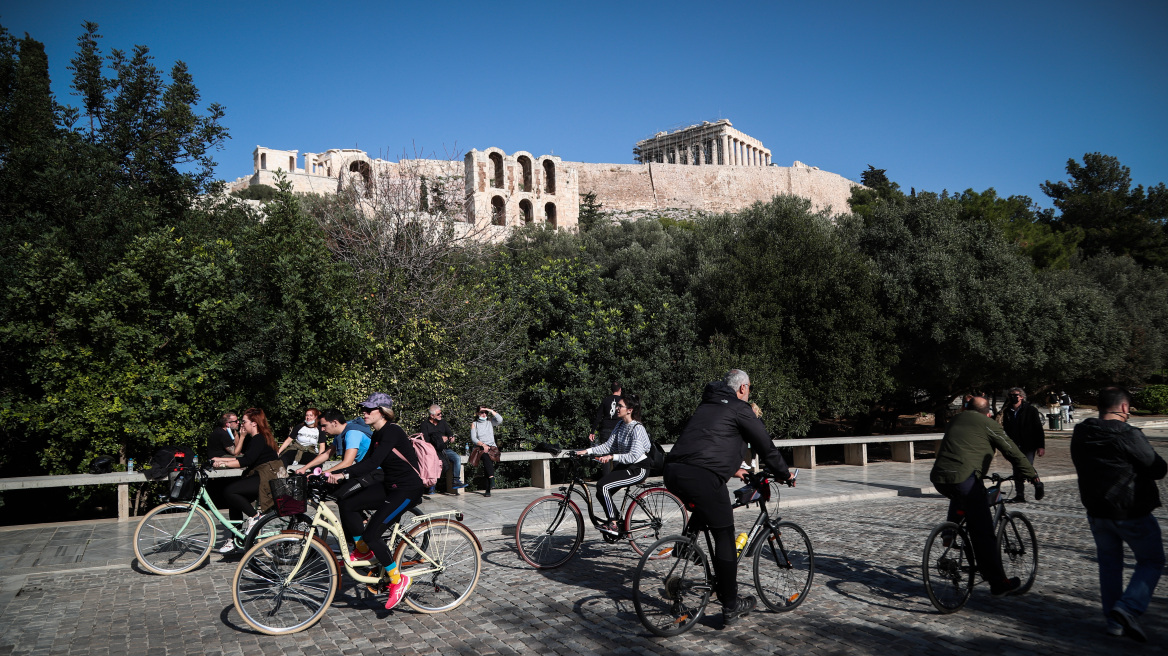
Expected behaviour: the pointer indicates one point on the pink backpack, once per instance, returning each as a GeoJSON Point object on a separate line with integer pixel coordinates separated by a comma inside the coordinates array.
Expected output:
{"type": "Point", "coordinates": [429, 464]}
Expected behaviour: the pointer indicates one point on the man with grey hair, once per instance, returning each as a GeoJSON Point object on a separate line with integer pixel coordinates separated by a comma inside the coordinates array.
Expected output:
{"type": "Point", "coordinates": [437, 432]}
{"type": "Point", "coordinates": [1023, 425]}
{"type": "Point", "coordinates": [709, 452]}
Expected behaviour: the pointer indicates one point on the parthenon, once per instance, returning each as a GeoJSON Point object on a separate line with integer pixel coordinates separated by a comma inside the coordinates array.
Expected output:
{"type": "Point", "coordinates": [711, 144]}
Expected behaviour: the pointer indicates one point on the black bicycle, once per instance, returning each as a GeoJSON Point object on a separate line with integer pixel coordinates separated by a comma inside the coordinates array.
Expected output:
{"type": "Point", "coordinates": [551, 529]}
{"type": "Point", "coordinates": [949, 566]}
{"type": "Point", "coordinates": [673, 582]}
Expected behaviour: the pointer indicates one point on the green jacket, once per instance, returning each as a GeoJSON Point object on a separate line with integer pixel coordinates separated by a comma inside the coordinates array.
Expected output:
{"type": "Point", "coordinates": [969, 446]}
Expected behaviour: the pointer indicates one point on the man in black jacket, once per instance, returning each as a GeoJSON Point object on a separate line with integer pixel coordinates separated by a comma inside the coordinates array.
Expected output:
{"type": "Point", "coordinates": [710, 451]}
{"type": "Point", "coordinates": [1023, 425]}
{"type": "Point", "coordinates": [604, 420]}
{"type": "Point", "coordinates": [437, 432]}
{"type": "Point", "coordinates": [1118, 470]}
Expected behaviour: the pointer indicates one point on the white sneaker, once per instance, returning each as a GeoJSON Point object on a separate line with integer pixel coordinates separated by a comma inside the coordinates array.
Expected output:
{"type": "Point", "coordinates": [250, 524]}
{"type": "Point", "coordinates": [228, 546]}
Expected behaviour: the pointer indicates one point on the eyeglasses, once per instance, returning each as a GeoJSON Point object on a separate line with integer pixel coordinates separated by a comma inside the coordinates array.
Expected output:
{"type": "Point", "coordinates": [233, 421]}
{"type": "Point", "coordinates": [366, 411]}
{"type": "Point", "coordinates": [436, 414]}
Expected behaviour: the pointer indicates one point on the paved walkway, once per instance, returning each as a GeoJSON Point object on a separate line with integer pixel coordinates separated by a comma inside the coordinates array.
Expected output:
{"type": "Point", "coordinates": [73, 588]}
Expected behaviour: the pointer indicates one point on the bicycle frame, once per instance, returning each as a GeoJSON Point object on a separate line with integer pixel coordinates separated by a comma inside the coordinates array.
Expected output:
{"type": "Point", "coordinates": [585, 492]}
{"type": "Point", "coordinates": [327, 520]}
{"type": "Point", "coordinates": [203, 500]}
{"type": "Point", "coordinates": [755, 536]}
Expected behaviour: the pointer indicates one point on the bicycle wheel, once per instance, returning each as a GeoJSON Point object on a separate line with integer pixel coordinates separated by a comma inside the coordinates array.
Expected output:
{"type": "Point", "coordinates": [444, 567]}
{"type": "Point", "coordinates": [272, 603]}
{"type": "Point", "coordinates": [654, 514]}
{"type": "Point", "coordinates": [174, 538]}
{"type": "Point", "coordinates": [549, 531]}
{"type": "Point", "coordinates": [1019, 548]}
{"type": "Point", "coordinates": [273, 524]}
{"type": "Point", "coordinates": [784, 567]}
{"type": "Point", "coordinates": [948, 569]}
{"type": "Point", "coordinates": [672, 586]}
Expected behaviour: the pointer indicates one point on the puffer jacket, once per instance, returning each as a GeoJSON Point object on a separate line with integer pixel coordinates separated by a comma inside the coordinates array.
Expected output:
{"type": "Point", "coordinates": [717, 434]}
{"type": "Point", "coordinates": [1117, 469]}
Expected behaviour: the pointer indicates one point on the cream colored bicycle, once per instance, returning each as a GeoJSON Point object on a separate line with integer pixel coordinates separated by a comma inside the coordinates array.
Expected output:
{"type": "Point", "coordinates": [285, 583]}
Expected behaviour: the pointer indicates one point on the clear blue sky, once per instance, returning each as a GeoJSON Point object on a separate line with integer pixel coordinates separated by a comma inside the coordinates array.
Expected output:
{"type": "Point", "coordinates": [942, 95]}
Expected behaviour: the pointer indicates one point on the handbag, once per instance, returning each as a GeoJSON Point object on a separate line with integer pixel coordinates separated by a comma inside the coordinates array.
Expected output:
{"type": "Point", "coordinates": [475, 456]}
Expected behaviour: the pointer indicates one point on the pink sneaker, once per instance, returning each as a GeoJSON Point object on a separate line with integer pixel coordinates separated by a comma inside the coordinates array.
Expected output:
{"type": "Point", "coordinates": [397, 592]}
{"type": "Point", "coordinates": [361, 556]}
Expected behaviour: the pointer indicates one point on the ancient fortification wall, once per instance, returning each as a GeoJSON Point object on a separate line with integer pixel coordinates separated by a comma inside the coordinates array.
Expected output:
{"type": "Point", "coordinates": [647, 187]}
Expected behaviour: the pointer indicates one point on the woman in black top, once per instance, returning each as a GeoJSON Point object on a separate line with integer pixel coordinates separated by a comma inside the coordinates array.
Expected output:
{"type": "Point", "coordinates": [260, 463]}
{"type": "Point", "coordinates": [402, 485]}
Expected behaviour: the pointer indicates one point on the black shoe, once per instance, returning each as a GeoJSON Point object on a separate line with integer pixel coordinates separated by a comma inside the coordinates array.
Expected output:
{"type": "Point", "coordinates": [1005, 587]}
{"type": "Point", "coordinates": [1016, 500]}
{"type": "Point", "coordinates": [1131, 628]}
{"type": "Point", "coordinates": [741, 608]}
{"type": "Point", "coordinates": [487, 493]}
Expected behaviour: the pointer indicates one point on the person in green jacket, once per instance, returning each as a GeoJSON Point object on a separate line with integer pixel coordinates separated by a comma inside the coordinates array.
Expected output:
{"type": "Point", "coordinates": [965, 455]}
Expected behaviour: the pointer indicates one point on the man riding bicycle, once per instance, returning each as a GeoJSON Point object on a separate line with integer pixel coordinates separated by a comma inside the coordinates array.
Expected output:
{"type": "Point", "coordinates": [709, 452]}
{"type": "Point", "coordinates": [965, 454]}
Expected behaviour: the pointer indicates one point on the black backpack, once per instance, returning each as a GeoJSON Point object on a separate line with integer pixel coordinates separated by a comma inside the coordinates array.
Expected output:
{"type": "Point", "coordinates": [167, 459]}
{"type": "Point", "coordinates": [102, 465]}
{"type": "Point", "coordinates": [656, 456]}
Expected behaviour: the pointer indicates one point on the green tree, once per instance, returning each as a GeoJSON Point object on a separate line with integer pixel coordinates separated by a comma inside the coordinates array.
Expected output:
{"type": "Point", "coordinates": [591, 212]}
{"type": "Point", "coordinates": [1023, 223]}
{"type": "Point", "coordinates": [876, 188]}
{"type": "Point", "coordinates": [1098, 199]}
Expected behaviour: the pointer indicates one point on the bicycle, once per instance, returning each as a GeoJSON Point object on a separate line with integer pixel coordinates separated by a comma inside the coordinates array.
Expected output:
{"type": "Point", "coordinates": [674, 580]}
{"type": "Point", "coordinates": [178, 535]}
{"type": "Point", "coordinates": [551, 528]}
{"type": "Point", "coordinates": [285, 583]}
{"type": "Point", "coordinates": [949, 565]}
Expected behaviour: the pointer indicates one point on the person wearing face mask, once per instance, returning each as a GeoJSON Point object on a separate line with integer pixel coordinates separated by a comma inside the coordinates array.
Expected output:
{"type": "Point", "coordinates": [1023, 425]}
{"type": "Point", "coordinates": [304, 441]}
{"type": "Point", "coordinates": [482, 435]}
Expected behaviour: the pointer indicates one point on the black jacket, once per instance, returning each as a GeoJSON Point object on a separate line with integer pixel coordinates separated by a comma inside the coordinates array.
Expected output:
{"type": "Point", "coordinates": [433, 433]}
{"type": "Point", "coordinates": [1117, 469]}
{"type": "Point", "coordinates": [718, 432]}
{"type": "Point", "coordinates": [605, 418]}
{"type": "Point", "coordinates": [1024, 428]}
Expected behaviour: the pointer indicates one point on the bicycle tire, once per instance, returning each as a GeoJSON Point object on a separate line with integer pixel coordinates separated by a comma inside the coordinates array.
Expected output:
{"type": "Point", "coordinates": [165, 546]}
{"type": "Point", "coordinates": [1018, 547]}
{"type": "Point", "coordinates": [654, 514]}
{"type": "Point", "coordinates": [271, 524]}
{"type": "Point", "coordinates": [948, 570]}
{"type": "Point", "coordinates": [457, 558]}
{"type": "Point", "coordinates": [672, 586]}
{"type": "Point", "coordinates": [784, 568]}
{"type": "Point", "coordinates": [267, 601]}
{"type": "Point", "coordinates": [544, 535]}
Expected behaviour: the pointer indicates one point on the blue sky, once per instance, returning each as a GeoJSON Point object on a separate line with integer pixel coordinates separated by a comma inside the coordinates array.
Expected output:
{"type": "Point", "coordinates": [942, 95]}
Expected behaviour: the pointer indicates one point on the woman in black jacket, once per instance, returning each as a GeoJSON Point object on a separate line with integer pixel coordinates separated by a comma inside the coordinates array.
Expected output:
{"type": "Point", "coordinates": [392, 451]}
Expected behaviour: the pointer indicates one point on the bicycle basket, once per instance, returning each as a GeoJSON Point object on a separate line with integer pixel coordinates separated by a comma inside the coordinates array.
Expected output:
{"type": "Point", "coordinates": [182, 485]}
{"type": "Point", "coordinates": [291, 495]}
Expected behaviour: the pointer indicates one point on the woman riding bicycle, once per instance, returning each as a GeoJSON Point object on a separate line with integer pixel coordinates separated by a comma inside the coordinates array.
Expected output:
{"type": "Point", "coordinates": [260, 463]}
{"type": "Point", "coordinates": [400, 489]}
{"type": "Point", "coordinates": [627, 446]}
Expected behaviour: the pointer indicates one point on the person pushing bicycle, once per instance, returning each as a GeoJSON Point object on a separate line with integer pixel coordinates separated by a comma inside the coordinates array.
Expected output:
{"type": "Point", "coordinates": [709, 453]}
{"type": "Point", "coordinates": [965, 455]}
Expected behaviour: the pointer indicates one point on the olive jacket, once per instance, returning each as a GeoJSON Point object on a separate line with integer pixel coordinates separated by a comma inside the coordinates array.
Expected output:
{"type": "Point", "coordinates": [968, 448]}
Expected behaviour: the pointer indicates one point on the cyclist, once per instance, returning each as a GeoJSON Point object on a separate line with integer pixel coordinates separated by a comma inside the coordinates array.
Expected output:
{"type": "Point", "coordinates": [965, 454]}
{"type": "Point", "coordinates": [402, 487]}
{"type": "Point", "coordinates": [626, 445]}
{"type": "Point", "coordinates": [260, 463]}
{"type": "Point", "coordinates": [709, 452]}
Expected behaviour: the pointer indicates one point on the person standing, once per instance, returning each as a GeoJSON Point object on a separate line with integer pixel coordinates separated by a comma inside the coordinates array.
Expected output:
{"type": "Point", "coordinates": [1118, 470]}
{"type": "Point", "coordinates": [1065, 406]}
{"type": "Point", "coordinates": [604, 420]}
{"type": "Point", "coordinates": [482, 434]}
{"type": "Point", "coordinates": [1023, 425]}
{"type": "Point", "coordinates": [438, 433]}
{"type": "Point", "coordinates": [964, 457]}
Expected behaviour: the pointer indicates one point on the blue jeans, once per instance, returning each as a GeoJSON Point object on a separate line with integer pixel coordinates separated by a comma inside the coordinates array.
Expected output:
{"type": "Point", "coordinates": [1143, 536]}
{"type": "Point", "coordinates": [456, 460]}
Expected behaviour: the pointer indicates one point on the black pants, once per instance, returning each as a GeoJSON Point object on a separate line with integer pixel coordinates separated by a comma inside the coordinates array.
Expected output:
{"type": "Point", "coordinates": [1020, 483]}
{"type": "Point", "coordinates": [969, 498]}
{"type": "Point", "coordinates": [610, 484]}
{"type": "Point", "coordinates": [705, 495]}
{"type": "Point", "coordinates": [397, 501]}
{"type": "Point", "coordinates": [239, 495]}
{"type": "Point", "coordinates": [354, 498]}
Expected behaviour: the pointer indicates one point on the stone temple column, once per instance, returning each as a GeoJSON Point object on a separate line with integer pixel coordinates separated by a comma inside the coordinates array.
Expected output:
{"type": "Point", "coordinates": [725, 141]}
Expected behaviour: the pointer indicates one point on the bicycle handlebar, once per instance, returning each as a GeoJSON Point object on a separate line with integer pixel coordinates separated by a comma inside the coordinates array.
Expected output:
{"type": "Point", "coordinates": [1039, 486]}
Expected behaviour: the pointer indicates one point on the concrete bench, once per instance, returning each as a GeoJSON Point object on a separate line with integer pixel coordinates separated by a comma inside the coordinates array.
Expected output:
{"type": "Point", "coordinates": [855, 447]}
